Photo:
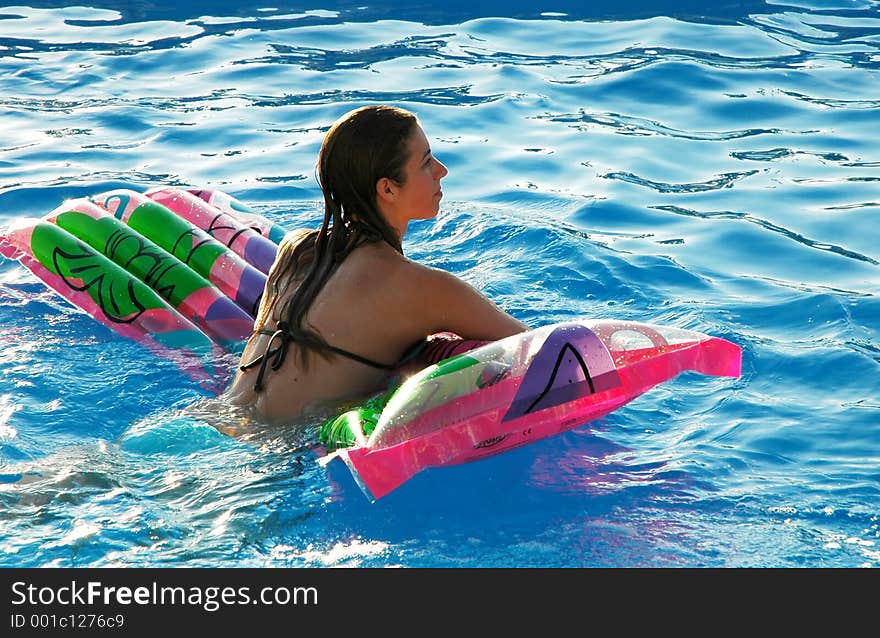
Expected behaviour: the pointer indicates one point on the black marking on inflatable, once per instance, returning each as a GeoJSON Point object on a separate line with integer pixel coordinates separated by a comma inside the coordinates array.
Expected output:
{"type": "Point", "coordinates": [199, 194]}
{"type": "Point", "coordinates": [490, 442]}
{"type": "Point", "coordinates": [583, 364]}
{"type": "Point", "coordinates": [215, 226]}
{"type": "Point", "coordinates": [237, 234]}
{"type": "Point", "coordinates": [162, 262]}
{"type": "Point", "coordinates": [211, 228]}
{"type": "Point", "coordinates": [192, 251]}
{"type": "Point", "coordinates": [99, 282]}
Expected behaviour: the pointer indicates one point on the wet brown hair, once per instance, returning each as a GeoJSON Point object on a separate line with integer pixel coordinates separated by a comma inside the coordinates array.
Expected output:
{"type": "Point", "coordinates": [361, 147]}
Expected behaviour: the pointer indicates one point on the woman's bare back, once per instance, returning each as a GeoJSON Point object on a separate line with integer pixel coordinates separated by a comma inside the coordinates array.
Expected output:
{"type": "Point", "coordinates": [376, 304]}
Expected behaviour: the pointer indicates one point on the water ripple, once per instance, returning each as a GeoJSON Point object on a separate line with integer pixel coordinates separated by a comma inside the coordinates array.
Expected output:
{"type": "Point", "coordinates": [801, 239]}
{"type": "Point", "coordinates": [631, 125]}
{"type": "Point", "coordinates": [214, 101]}
{"type": "Point", "coordinates": [726, 180]}
{"type": "Point", "coordinates": [774, 154]}
{"type": "Point", "coordinates": [314, 59]}
{"type": "Point", "coordinates": [835, 103]}
{"type": "Point", "coordinates": [444, 95]}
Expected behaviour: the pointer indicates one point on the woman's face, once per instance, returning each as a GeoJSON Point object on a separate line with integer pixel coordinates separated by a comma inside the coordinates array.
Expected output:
{"type": "Point", "coordinates": [418, 197]}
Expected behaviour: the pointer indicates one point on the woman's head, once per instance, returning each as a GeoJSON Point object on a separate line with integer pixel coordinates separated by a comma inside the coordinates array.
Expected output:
{"type": "Point", "coordinates": [376, 172]}
{"type": "Point", "coordinates": [417, 193]}
{"type": "Point", "coordinates": [362, 147]}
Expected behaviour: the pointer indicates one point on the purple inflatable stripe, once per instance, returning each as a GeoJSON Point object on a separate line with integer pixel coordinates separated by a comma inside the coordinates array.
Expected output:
{"type": "Point", "coordinates": [572, 363]}
{"type": "Point", "coordinates": [260, 252]}
{"type": "Point", "coordinates": [250, 290]}
{"type": "Point", "coordinates": [223, 308]}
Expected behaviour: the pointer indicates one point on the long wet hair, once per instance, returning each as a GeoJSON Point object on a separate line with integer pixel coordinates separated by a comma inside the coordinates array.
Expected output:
{"type": "Point", "coordinates": [361, 147]}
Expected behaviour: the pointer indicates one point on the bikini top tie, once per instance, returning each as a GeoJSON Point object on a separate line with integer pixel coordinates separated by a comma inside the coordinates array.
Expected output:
{"type": "Point", "coordinates": [276, 351]}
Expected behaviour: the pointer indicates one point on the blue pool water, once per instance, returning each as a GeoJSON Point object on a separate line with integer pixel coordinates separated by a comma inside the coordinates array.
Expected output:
{"type": "Point", "coordinates": [714, 166]}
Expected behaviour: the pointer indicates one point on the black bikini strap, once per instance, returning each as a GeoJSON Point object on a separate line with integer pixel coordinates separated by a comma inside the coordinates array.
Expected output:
{"type": "Point", "coordinates": [277, 354]}
{"type": "Point", "coordinates": [360, 359]}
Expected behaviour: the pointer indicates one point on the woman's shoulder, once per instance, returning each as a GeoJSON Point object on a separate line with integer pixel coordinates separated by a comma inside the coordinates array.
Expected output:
{"type": "Point", "coordinates": [403, 271]}
{"type": "Point", "coordinates": [379, 269]}
{"type": "Point", "coordinates": [421, 299]}
{"type": "Point", "coordinates": [380, 258]}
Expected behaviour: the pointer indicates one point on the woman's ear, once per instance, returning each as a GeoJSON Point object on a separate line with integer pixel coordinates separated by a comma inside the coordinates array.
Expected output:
{"type": "Point", "coordinates": [385, 189]}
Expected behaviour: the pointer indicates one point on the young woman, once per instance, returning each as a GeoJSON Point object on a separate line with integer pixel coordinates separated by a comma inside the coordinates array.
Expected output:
{"type": "Point", "coordinates": [342, 304]}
